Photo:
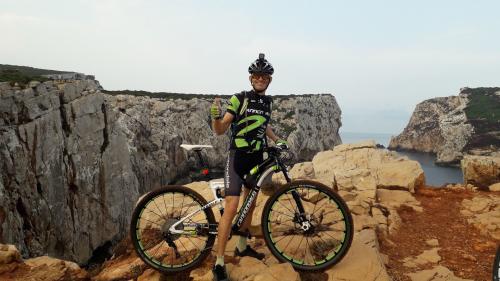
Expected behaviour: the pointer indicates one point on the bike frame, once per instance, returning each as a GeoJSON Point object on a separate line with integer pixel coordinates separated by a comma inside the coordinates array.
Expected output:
{"type": "Point", "coordinates": [253, 179]}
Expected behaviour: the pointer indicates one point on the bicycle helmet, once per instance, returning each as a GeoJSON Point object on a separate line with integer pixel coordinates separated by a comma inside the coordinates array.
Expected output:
{"type": "Point", "coordinates": [261, 66]}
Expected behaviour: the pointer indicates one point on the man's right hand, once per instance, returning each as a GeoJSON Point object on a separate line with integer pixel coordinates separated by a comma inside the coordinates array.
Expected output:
{"type": "Point", "coordinates": [215, 110]}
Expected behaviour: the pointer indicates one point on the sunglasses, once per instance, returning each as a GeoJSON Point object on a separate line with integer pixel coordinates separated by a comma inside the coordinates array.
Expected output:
{"type": "Point", "coordinates": [264, 77]}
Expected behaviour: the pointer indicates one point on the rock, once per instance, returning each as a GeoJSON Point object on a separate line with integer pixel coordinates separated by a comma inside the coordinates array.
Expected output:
{"type": "Point", "coordinates": [444, 126]}
{"type": "Point", "coordinates": [66, 167]}
{"type": "Point", "coordinates": [469, 257]}
{"type": "Point", "coordinates": [495, 187]}
{"type": "Point", "coordinates": [484, 213]}
{"type": "Point", "coordinates": [471, 187]}
{"type": "Point", "coordinates": [481, 171]}
{"type": "Point", "coordinates": [362, 262]}
{"type": "Point", "coordinates": [405, 174]}
{"type": "Point", "coordinates": [40, 268]}
{"type": "Point", "coordinates": [459, 187]}
{"type": "Point", "coordinates": [398, 198]}
{"type": "Point", "coordinates": [432, 242]}
{"type": "Point", "coordinates": [428, 256]}
{"type": "Point", "coordinates": [385, 258]}
{"type": "Point", "coordinates": [33, 84]}
{"type": "Point", "coordinates": [9, 254]}
{"type": "Point", "coordinates": [152, 275]}
{"type": "Point", "coordinates": [438, 273]}
{"type": "Point", "coordinates": [280, 271]}
{"type": "Point", "coordinates": [121, 269]}
{"type": "Point", "coordinates": [246, 268]}
{"type": "Point", "coordinates": [394, 222]}
{"type": "Point", "coordinates": [303, 170]}
{"type": "Point", "coordinates": [47, 268]}
{"type": "Point", "coordinates": [363, 167]}
{"type": "Point", "coordinates": [363, 222]}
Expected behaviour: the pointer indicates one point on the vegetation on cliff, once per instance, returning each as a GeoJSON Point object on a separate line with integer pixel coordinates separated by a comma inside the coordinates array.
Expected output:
{"type": "Point", "coordinates": [483, 104]}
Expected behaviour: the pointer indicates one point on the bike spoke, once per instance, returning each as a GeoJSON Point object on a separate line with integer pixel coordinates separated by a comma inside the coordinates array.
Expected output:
{"type": "Point", "coordinates": [154, 201]}
{"type": "Point", "coordinates": [274, 211]}
{"type": "Point", "coordinates": [285, 206]}
{"type": "Point", "coordinates": [151, 222]}
{"type": "Point", "coordinates": [151, 211]}
{"type": "Point", "coordinates": [302, 239]}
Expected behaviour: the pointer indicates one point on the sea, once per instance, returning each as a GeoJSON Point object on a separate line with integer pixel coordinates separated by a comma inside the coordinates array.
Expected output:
{"type": "Point", "coordinates": [435, 175]}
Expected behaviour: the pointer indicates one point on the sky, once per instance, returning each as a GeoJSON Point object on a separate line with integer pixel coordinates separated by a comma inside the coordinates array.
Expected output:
{"type": "Point", "coordinates": [378, 58]}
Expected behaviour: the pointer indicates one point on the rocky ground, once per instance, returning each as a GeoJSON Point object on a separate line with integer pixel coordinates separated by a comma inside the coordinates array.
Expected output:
{"type": "Point", "coordinates": [440, 237]}
{"type": "Point", "coordinates": [403, 230]}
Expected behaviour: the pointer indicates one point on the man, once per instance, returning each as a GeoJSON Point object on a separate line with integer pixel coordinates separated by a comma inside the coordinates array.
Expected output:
{"type": "Point", "coordinates": [248, 113]}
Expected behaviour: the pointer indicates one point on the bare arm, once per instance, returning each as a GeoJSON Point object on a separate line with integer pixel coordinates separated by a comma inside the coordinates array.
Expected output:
{"type": "Point", "coordinates": [220, 126]}
{"type": "Point", "coordinates": [270, 134]}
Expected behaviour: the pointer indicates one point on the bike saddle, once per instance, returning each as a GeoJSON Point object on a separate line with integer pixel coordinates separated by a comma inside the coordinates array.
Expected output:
{"type": "Point", "coordinates": [189, 147]}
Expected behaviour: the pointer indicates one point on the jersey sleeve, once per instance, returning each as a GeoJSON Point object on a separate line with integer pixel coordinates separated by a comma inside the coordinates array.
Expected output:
{"type": "Point", "coordinates": [233, 104]}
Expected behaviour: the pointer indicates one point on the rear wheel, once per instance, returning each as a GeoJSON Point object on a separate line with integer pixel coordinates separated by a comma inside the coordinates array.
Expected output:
{"type": "Point", "coordinates": [315, 240]}
{"type": "Point", "coordinates": [152, 218]}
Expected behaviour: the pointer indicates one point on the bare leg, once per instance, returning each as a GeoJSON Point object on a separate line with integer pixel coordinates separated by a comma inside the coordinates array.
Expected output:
{"type": "Point", "coordinates": [225, 223]}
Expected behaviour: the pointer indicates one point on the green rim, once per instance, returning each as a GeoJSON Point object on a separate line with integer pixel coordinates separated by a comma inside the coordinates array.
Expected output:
{"type": "Point", "coordinates": [332, 253]}
{"type": "Point", "coordinates": [139, 238]}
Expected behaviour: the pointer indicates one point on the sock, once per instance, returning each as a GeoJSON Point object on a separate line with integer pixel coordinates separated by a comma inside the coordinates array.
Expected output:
{"type": "Point", "coordinates": [242, 243]}
{"type": "Point", "coordinates": [220, 261]}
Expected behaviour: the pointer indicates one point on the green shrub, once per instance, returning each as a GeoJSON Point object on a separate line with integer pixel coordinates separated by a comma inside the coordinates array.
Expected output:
{"type": "Point", "coordinates": [483, 104]}
{"type": "Point", "coordinates": [15, 76]}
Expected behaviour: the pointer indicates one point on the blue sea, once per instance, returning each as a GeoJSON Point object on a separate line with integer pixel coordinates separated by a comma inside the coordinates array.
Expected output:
{"type": "Point", "coordinates": [434, 175]}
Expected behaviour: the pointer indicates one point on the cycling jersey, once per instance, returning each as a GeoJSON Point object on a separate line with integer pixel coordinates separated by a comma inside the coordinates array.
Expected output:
{"type": "Point", "coordinates": [252, 114]}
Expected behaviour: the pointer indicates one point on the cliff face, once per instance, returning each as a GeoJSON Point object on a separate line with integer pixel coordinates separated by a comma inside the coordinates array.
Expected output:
{"type": "Point", "coordinates": [73, 160]}
{"type": "Point", "coordinates": [454, 126]}
{"type": "Point", "coordinates": [66, 180]}
{"type": "Point", "coordinates": [155, 128]}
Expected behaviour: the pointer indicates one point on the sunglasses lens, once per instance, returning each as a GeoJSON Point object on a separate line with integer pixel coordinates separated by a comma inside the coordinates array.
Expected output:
{"type": "Point", "coordinates": [258, 76]}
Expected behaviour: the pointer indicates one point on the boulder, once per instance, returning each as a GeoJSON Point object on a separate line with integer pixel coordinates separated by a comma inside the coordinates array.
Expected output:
{"type": "Point", "coordinates": [483, 212]}
{"type": "Point", "coordinates": [494, 187]}
{"type": "Point", "coordinates": [428, 256]}
{"type": "Point", "coordinates": [362, 262]}
{"type": "Point", "coordinates": [362, 166]}
{"type": "Point", "coordinates": [481, 171]}
{"type": "Point", "coordinates": [9, 254]}
{"type": "Point", "coordinates": [397, 198]}
{"type": "Point", "coordinates": [39, 268]}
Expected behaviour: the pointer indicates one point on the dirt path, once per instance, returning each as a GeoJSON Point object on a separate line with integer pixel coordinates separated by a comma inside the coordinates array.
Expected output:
{"type": "Point", "coordinates": [464, 250]}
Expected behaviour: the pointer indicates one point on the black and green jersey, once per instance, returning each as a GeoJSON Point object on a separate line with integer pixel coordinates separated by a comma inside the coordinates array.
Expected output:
{"type": "Point", "coordinates": [252, 113]}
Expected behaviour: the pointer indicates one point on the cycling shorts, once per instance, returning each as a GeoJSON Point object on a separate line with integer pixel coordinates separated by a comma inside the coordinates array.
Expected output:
{"type": "Point", "coordinates": [238, 164]}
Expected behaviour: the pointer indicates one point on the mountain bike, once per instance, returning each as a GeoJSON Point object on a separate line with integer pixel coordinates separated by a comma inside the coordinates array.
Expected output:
{"type": "Point", "coordinates": [305, 223]}
{"type": "Point", "coordinates": [496, 266]}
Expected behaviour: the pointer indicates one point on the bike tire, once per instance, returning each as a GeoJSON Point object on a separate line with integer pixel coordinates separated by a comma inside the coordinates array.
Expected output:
{"type": "Point", "coordinates": [135, 235]}
{"type": "Point", "coordinates": [342, 206]}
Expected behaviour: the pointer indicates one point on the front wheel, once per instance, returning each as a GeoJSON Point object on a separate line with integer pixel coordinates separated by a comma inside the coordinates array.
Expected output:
{"type": "Point", "coordinates": [311, 241]}
{"type": "Point", "coordinates": [153, 217]}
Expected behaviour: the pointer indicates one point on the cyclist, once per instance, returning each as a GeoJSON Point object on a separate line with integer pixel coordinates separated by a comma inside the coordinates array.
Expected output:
{"type": "Point", "coordinates": [248, 114]}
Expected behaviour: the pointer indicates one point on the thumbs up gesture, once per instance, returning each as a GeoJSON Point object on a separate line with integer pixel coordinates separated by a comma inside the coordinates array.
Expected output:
{"type": "Point", "coordinates": [215, 109]}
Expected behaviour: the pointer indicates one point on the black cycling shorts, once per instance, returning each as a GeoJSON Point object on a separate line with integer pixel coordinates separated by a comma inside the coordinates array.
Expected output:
{"type": "Point", "coordinates": [238, 164]}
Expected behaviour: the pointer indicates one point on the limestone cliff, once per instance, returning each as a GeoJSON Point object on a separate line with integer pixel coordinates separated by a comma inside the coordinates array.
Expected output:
{"type": "Point", "coordinates": [155, 128]}
{"type": "Point", "coordinates": [454, 126]}
{"type": "Point", "coordinates": [74, 160]}
{"type": "Point", "coordinates": [66, 180]}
